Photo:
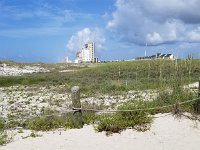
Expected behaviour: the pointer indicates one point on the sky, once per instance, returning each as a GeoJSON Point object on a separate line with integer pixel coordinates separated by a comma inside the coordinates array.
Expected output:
{"type": "Point", "coordinates": [50, 30]}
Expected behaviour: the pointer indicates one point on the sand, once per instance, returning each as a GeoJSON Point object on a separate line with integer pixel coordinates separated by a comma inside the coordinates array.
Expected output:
{"type": "Point", "coordinates": [7, 70]}
{"type": "Point", "coordinates": [166, 133]}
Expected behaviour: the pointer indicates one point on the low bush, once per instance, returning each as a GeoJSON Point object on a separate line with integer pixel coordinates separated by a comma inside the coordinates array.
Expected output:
{"type": "Point", "coordinates": [54, 122]}
{"type": "Point", "coordinates": [3, 137]}
{"type": "Point", "coordinates": [43, 123]}
{"type": "Point", "coordinates": [3, 134]}
{"type": "Point", "coordinates": [116, 122]}
{"type": "Point", "coordinates": [49, 123]}
{"type": "Point", "coordinates": [177, 96]}
{"type": "Point", "coordinates": [89, 117]}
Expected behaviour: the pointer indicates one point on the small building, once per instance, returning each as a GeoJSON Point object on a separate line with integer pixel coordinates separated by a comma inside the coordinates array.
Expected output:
{"type": "Point", "coordinates": [170, 56]}
{"type": "Point", "coordinates": [67, 60]}
{"type": "Point", "coordinates": [158, 56]}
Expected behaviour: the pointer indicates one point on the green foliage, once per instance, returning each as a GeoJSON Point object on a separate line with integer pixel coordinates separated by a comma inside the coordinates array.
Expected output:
{"type": "Point", "coordinates": [89, 117]}
{"type": "Point", "coordinates": [2, 125]}
{"type": "Point", "coordinates": [33, 135]}
{"type": "Point", "coordinates": [176, 96]}
{"type": "Point", "coordinates": [45, 123]}
{"type": "Point", "coordinates": [3, 135]}
{"type": "Point", "coordinates": [13, 121]}
{"type": "Point", "coordinates": [116, 122]}
{"type": "Point", "coordinates": [113, 78]}
{"type": "Point", "coordinates": [116, 76]}
{"type": "Point", "coordinates": [140, 120]}
{"type": "Point", "coordinates": [54, 122]}
{"type": "Point", "coordinates": [20, 131]}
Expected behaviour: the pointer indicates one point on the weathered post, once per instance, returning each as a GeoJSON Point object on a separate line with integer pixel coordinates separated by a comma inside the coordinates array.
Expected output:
{"type": "Point", "coordinates": [198, 101]}
{"type": "Point", "coordinates": [199, 89]}
{"type": "Point", "coordinates": [77, 115]}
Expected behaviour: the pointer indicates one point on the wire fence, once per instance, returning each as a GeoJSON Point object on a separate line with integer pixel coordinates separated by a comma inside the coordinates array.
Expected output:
{"type": "Point", "coordinates": [73, 110]}
{"type": "Point", "coordinates": [134, 110]}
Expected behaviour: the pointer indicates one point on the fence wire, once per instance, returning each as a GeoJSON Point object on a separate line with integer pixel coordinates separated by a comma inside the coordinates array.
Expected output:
{"type": "Point", "coordinates": [134, 110]}
{"type": "Point", "coordinates": [73, 110]}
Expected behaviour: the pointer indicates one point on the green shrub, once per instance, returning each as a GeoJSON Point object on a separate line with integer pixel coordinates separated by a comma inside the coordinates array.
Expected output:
{"type": "Point", "coordinates": [2, 125]}
{"type": "Point", "coordinates": [116, 76]}
{"type": "Point", "coordinates": [178, 95]}
{"type": "Point", "coordinates": [44, 123]}
{"type": "Point", "coordinates": [116, 122]}
{"type": "Point", "coordinates": [54, 122]}
{"type": "Point", "coordinates": [3, 137]}
{"type": "Point", "coordinates": [89, 117]}
{"type": "Point", "coordinates": [50, 123]}
{"type": "Point", "coordinates": [3, 134]}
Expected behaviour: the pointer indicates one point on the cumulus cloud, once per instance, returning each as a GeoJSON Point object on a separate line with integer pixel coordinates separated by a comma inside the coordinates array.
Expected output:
{"type": "Point", "coordinates": [154, 38]}
{"type": "Point", "coordinates": [156, 22]}
{"type": "Point", "coordinates": [85, 35]}
{"type": "Point", "coordinates": [194, 35]}
{"type": "Point", "coordinates": [184, 10]}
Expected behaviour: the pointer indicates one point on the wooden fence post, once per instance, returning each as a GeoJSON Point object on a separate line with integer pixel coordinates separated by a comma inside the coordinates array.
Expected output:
{"type": "Point", "coordinates": [77, 115]}
{"type": "Point", "coordinates": [198, 101]}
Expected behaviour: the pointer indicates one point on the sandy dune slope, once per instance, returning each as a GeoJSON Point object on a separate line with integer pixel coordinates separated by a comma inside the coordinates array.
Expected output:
{"type": "Point", "coordinates": [167, 133]}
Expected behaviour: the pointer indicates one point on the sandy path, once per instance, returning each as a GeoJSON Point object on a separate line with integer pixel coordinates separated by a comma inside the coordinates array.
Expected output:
{"type": "Point", "coordinates": [166, 133]}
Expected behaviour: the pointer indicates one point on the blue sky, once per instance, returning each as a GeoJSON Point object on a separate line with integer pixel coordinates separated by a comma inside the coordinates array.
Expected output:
{"type": "Point", "coordinates": [50, 30]}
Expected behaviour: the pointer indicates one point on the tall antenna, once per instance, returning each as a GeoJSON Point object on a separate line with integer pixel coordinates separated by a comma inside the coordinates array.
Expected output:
{"type": "Point", "coordinates": [145, 53]}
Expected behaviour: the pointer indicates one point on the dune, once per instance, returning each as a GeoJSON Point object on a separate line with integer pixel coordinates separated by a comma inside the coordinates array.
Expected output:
{"type": "Point", "coordinates": [166, 133]}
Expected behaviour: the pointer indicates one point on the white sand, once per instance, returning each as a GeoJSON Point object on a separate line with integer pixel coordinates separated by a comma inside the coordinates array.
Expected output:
{"type": "Point", "coordinates": [194, 85]}
{"type": "Point", "coordinates": [7, 70]}
{"type": "Point", "coordinates": [167, 133]}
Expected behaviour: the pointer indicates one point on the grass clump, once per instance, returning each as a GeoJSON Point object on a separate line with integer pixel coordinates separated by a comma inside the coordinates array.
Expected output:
{"type": "Point", "coordinates": [3, 134]}
{"type": "Point", "coordinates": [49, 123]}
{"type": "Point", "coordinates": [20, 131]}
{"type": "Point", "coordinates": [178, 95]}
{"type": "Point", "coordinates": [3, 137]}
{"type": "Point", "coordinates": [116, 76]}
{"type": "Point", "coordinates": [33, 135]}
{"type": "Point", "coordinates": [116, 122]}
{"type": "Point", "coordinates": [142, 119]}
{"type": "Point", "coordinates": [89, 117]}
{"type": "Point", "coordinates": [54, 122]}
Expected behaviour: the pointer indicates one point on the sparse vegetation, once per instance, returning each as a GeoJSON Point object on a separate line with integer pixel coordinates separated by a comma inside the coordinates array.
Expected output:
{"type": "Point", "coordinates": [117, 77]}
{"type": "Point", "coordinates": [116, 122]}
{"type": "Point", "coordinates": [48, 123]}
{"type": "Point", "coordinates": [3, 137]}
{"type": "Point", "coordinates": [33, 135]}
{"type": "Point", "coordinates": [3, 134]}
{"type": "Point", "coordinates": [54, 122]}
{"type": "Point", "coordinates": [20, 131]}
{"type": "Point", "coordinates": [141, 120]}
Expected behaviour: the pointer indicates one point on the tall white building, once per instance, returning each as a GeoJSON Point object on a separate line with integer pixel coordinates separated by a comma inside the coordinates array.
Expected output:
{"type": "Point", "coordinates": [91, 48]}
{"type": "Point", "coordinates": [86, 54]}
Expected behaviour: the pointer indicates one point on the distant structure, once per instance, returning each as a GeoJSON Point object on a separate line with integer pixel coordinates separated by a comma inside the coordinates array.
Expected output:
{"type": "Point", "coordinates": [86, 54]}
{"type": "Point", "coordinates": [67, 60]}
{"type": "Point", "coordinates": [158, 56]}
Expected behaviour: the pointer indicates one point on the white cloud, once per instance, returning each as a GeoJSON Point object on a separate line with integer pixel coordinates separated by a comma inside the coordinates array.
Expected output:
{"type": "Point", "coordinates": [85, 35]}
{"type": "Point", "coordinates": [194, 35]}
{"type": "Point", "coordinates": [154, 38]}
{"type": "Point", "coordinates": [184, 10]}
{"type": "Point", "coordinates": [156, 21]}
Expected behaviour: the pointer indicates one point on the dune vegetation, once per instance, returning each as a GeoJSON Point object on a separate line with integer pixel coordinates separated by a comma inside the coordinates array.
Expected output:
{"type": "Point", "coordinates": [168, 77]}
